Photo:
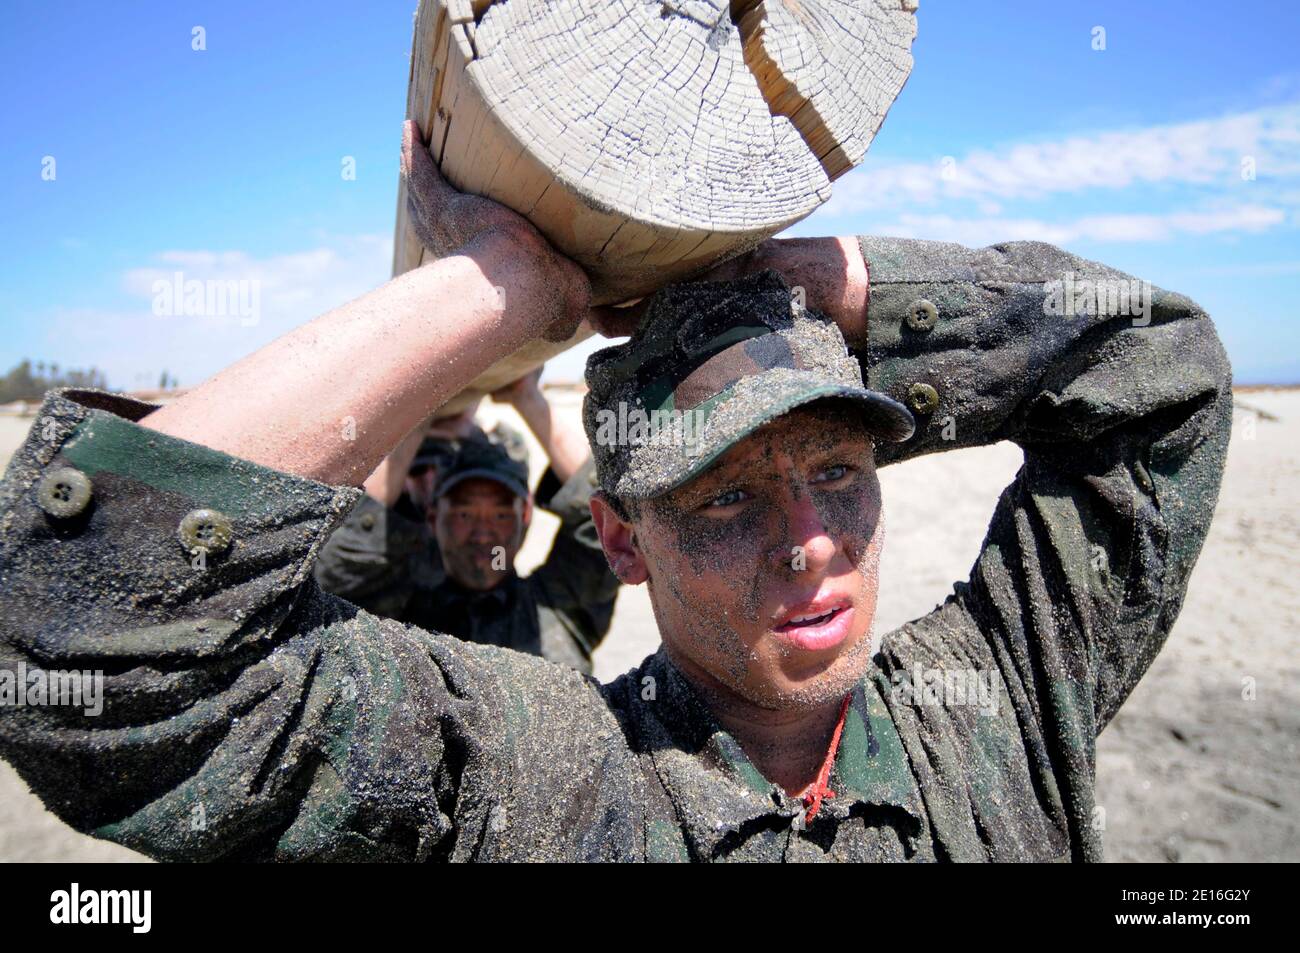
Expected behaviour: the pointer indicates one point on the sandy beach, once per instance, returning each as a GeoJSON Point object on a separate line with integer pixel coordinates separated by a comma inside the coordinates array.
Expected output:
{"type": "Point", "coordinates": [1199, 765]}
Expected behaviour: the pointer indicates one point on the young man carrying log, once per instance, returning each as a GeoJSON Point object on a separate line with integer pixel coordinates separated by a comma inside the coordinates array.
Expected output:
{"type": "Point", "coordinates": [769, 726]}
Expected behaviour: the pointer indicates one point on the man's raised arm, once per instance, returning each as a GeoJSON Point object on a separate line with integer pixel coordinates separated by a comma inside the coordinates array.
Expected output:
{"type": "Point", "coordinates": [1119, 394]}
{"type": "Point", "coordinates": [230, 709]}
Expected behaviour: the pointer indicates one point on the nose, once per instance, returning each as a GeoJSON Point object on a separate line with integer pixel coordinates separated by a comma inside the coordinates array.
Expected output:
{"type": "Point", "coordinates": [810, 546]}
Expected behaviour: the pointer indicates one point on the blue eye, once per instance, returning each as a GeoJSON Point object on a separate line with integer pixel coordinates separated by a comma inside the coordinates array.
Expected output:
{"type": "Point", "coordinates": [729, 498]}
{"type": "Point", "coordinates": [833, 473]}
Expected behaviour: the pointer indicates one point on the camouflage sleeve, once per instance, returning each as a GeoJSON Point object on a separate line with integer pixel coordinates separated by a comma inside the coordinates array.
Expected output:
{"type": "Point", "coordinates": [576, 581]}
{"type": "Point", "coordinates": [246, 714]}
{"type": "Point", "coordinates": [1119, 395]}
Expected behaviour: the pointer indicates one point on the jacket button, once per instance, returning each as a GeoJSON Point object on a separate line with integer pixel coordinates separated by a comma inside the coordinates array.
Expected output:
{"type": "Point", "coordinates": [922, 398]}
{"type": "Point", "coordinates": [368, 521]}
{"type": "Point", "coordinates": [922, 315]}
{"type": "Point", "coordinates": [64, 492]}
{"type": "Point", "coordinates": [209, 530]}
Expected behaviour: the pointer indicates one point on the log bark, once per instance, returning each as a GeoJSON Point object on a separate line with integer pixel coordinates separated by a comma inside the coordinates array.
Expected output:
{"type": "Point", "coordinates": [650, 139]}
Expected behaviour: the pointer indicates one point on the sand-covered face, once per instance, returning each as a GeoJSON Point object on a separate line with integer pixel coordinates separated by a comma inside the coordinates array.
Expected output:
{"type": "Point", "coordinates": [763, 570]}
{"type": "Point", "coordinates": [480, 528]}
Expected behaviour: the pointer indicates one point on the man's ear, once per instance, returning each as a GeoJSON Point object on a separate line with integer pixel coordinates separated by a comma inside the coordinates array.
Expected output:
{"type": "Point", "coordinates": [618, 540]}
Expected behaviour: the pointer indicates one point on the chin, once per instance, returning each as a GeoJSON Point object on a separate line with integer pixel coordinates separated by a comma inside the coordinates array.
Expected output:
{"type": "Point", "coordinates": [833, 676]}
{"type": "Point", "coordinates": [817, 681]}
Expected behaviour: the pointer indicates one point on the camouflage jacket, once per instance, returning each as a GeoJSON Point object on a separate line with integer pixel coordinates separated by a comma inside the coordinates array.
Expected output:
{"type": "Point", "coordinates": [249, 715]}
{"type": "Point", "coordinates": [387, 563]}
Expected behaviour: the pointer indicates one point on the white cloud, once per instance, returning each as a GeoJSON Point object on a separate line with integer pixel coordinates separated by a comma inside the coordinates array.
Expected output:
{"type": "Point", "coordinates": [1206, 152]}
{"type": "Point", "coordinates": [324, 277]}
{"type": "Point", "coordinates": [133, 345]}
{"type": "Point", "coordinates": [1110, 228]}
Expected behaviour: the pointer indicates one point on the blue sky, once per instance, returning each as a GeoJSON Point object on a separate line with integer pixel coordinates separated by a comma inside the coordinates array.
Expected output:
{"type": "Point", "coordinates": [227, 162]}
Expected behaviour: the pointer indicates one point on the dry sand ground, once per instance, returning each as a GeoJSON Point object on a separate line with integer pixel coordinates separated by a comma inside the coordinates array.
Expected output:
{"type": "Point", "coordinates": [1194, 768]}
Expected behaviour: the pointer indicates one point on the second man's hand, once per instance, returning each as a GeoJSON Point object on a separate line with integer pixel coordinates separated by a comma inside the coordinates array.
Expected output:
{"type": "Point", "coordinates": [566, 446]}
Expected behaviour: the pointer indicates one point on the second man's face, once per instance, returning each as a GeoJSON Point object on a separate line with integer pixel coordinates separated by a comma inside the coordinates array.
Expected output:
{"type": "Point", "coordinates": [480, 528]}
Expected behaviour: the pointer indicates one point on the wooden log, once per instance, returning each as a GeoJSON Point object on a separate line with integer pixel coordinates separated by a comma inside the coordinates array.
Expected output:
{"type": "Point", "coordinates": [649, 139]}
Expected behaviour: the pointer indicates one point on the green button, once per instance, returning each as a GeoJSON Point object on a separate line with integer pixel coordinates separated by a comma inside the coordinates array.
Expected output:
{"type": "Point", "coordinates": [922, 398]}
{"type": "Point", "coordinates": [64, 492]}
{"type": "Point", "coordinates": [368, 521]}
{"type": "Point", "coordinates": [922, 315]}
{"type": "Point", "coordinates": [208, 530]}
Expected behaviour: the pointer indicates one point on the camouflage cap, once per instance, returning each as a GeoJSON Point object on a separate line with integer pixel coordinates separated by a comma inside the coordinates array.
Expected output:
{"type": "Point", "coordinates": [710, 363]}
{"type": "Point", "coordinates": [487, 460]}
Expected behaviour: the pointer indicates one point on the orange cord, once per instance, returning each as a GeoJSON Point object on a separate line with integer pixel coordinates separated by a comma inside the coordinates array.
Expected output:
{"type": "Point", "coordinates": [812, 798]}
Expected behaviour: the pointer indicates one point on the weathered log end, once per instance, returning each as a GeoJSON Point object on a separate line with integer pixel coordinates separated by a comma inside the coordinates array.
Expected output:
{"type": "Point", "coordinates": [651, 140]}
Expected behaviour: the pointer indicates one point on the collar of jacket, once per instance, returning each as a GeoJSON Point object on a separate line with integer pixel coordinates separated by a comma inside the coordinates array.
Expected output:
{"type": "Point", "coordinates": [721, 798]}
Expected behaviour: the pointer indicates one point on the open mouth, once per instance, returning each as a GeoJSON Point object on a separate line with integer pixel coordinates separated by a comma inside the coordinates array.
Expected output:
{"type": "Point", "coordinates": [817, 628]}
{"type": "Point", "coordinates": [806, 621]}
